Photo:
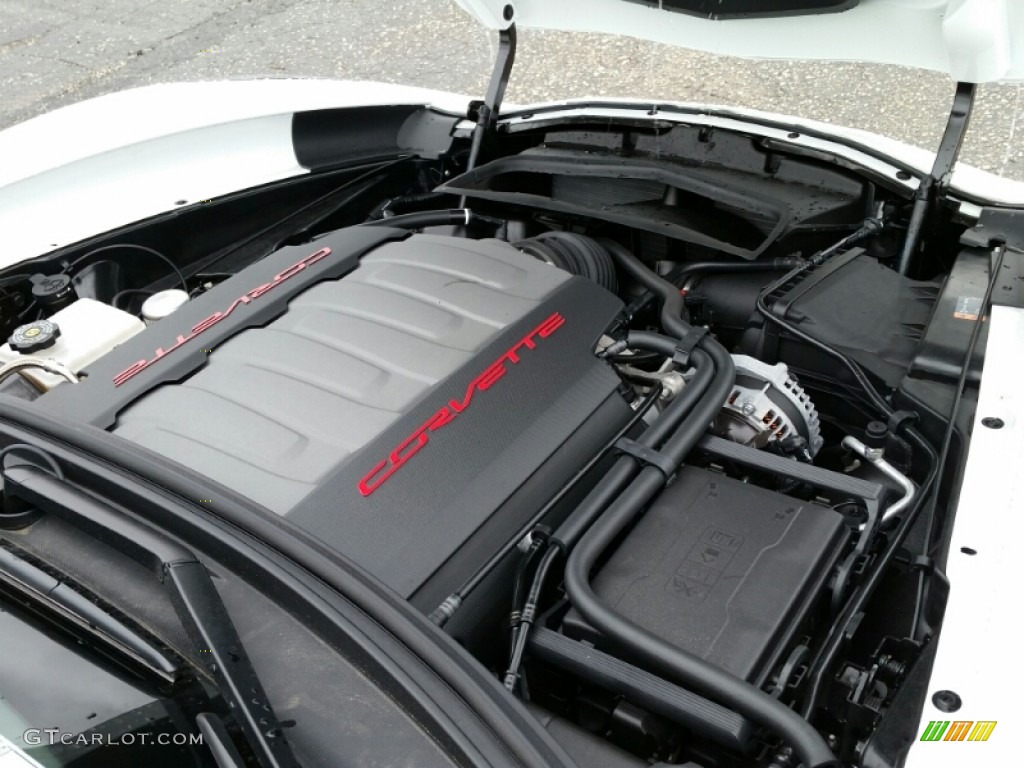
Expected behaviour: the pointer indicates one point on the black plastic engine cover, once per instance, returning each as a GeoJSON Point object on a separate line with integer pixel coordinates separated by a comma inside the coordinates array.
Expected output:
{"type": "Point", "coordinates": [533, 420]}
{"type": "Point", "coordinates": [411, 401]}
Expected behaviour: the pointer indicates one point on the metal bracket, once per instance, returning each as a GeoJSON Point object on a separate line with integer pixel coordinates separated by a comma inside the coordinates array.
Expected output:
{"type": "Point", "coordinates": [935, 185]}
{"type": "Point", "coordinates": [487, 112]}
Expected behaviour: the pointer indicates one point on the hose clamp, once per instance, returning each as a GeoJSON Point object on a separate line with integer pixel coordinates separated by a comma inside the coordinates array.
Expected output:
{"type": "Point", "coordinates": [646, 456]}
{"type": "Point", "coordinates": [686, 345]}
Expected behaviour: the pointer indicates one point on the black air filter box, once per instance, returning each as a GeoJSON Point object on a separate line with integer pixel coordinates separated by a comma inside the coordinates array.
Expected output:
{"type": "Point", "coordinates": [872, 314]}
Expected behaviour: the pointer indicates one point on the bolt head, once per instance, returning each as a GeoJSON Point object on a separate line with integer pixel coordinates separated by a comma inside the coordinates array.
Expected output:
{"type": "Point", "coordinates": [947, 701]}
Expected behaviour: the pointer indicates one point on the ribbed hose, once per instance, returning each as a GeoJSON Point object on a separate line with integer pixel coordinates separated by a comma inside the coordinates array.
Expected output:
{"type": "Point", "coordinates": [575, 254]}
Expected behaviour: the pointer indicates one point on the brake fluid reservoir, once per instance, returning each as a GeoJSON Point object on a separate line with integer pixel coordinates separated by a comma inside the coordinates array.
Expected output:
{"type": "Point", "coordinates": [76, 336]}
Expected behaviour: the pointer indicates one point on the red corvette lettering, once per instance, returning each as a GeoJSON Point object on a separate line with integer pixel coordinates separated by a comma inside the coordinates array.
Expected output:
{"type": "Point", "coordinates": [206, 323]}
{"type": "Point", "coordinates": [411, 445]}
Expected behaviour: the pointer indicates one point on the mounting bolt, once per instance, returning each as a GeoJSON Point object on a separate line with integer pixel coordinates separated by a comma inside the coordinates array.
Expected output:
{"type": "Point", "coordinates": [993, 422]}
{"type": "Point", "coordinates": [946, 701]}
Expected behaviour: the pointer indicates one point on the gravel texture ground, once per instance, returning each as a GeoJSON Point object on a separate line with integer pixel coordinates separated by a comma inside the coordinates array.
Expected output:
{"type": "Point", "coordinates": [56, 52]}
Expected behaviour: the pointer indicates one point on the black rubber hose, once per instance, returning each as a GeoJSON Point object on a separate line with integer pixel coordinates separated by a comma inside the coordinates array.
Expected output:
{"type": "Point", "coordinates": [651, 342]}
{"type": "Point", "coordinates": [870, 227]}
{"type": "Point", "coordinates": [611, 484]}
{"type": "Point", "coordinates": [647, 690]}
{"type": "Point", "coordinates": [686, 271]}
{"type": "Point", "coordinates": [403, 201]}
{"type": "Point", "coordinates": [595, 502]}
{"type": "Point", "coordinates": [523, 570]}
{"type": "Point", "coordinates": [451, 217]}
{"type": "Point", "coordinates": [677, 664]}
{"type": "Point", "coordinates": [522, 631]}
{"type": "Point", "coordinates": [672, 307]}
{"type": "Point", "coordinates": [626, 468]}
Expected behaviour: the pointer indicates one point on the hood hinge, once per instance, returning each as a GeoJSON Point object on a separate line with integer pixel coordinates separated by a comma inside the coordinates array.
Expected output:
{"type": "Point", "coordinates": [935, 186]}
{"type": "Point", "coordinates": [487, 112]}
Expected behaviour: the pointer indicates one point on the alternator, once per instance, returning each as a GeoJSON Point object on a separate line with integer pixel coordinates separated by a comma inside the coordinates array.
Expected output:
{"type": "Point", "coordinates": [766, 405]}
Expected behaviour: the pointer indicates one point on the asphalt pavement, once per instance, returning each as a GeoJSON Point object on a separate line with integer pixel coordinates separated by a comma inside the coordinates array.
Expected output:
{"type": "Point", "coordinates": [57, 52]}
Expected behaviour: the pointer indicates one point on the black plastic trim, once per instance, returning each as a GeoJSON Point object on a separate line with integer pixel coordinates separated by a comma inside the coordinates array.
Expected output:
{"type": "Point", "coordinates": [428, 674]}
{"type": "Point", "coordinates": [190, 589]}
{"type": "Point", "coordinates": [723, 10]}
{"type": "Point", "coordinates": [326, 138]}
{"type": "Point", "coordinates": [684, 707]}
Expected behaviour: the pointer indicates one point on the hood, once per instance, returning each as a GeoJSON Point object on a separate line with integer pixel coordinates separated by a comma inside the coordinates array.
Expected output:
{"type": "Point", "coordinates": [977, 41]}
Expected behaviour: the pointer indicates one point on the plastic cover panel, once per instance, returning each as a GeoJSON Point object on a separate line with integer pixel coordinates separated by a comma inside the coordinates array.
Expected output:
{"type": "Point", "coordinates": [723, 569]}
{"type": "Point", "coordinates": [275, 409]}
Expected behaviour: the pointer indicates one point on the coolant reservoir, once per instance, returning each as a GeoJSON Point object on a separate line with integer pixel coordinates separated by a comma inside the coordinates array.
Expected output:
{"type": "Point", "coordinates": [76, 336]}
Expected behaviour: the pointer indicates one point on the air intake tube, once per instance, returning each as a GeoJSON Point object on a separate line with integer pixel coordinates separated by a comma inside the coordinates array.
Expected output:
{"type": "Point", "coordinates": [575, 254]}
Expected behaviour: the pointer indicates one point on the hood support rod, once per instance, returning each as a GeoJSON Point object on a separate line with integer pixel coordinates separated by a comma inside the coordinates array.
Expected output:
{"type": "Point", "coordinates": [487, 112]}
{"type": "Point", "coordinates": [934, 186]}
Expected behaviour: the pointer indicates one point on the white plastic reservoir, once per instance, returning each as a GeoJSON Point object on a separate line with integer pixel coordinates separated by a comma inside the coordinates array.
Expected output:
{"type": "Point", "coordinates": [88, 330]}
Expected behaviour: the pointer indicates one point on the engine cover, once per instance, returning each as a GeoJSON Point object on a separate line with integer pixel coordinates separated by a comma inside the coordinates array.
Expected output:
{"type": "Point", "coordinates": [409, 400]}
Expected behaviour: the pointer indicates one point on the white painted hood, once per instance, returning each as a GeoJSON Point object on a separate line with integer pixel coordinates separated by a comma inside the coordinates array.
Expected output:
{"type": "Point", "coordinates": [979, 41]}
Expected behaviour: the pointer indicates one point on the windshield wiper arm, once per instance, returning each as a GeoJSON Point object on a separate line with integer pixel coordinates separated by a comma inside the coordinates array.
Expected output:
{"type": "Point", "coordinates": [36, 584]}
{"type": "Point", "coordinates": [191, 591]}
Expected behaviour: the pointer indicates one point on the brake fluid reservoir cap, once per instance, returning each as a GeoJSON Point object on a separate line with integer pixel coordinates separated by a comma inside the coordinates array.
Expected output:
{"type": "Point", "coordinates": [32, 337]}
{"type": "Point", "coordinates": [160, 305]}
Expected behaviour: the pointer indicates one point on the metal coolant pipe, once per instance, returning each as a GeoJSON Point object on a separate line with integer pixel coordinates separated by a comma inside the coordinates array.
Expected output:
{"type": "Point", "coordinates": [909, 489]}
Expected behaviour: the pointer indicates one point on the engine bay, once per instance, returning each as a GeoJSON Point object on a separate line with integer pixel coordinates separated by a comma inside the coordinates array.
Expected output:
{"type": "Point", "coordinates": [646, 417]}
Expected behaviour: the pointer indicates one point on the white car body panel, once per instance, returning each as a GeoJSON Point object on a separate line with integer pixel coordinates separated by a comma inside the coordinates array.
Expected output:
{"type": "Point", "coordinates": [12, 756]}
{"type": "Point", "coordinates": [977, 41]}
{"type": "Point", "coordinates": [110, 161]}
{"type": "Point", "coordinates": [978, 645]}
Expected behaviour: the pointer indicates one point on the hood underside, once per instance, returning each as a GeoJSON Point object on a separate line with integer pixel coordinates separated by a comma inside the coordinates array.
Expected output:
{"type": "Point", "coordinates": [975, 41]}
